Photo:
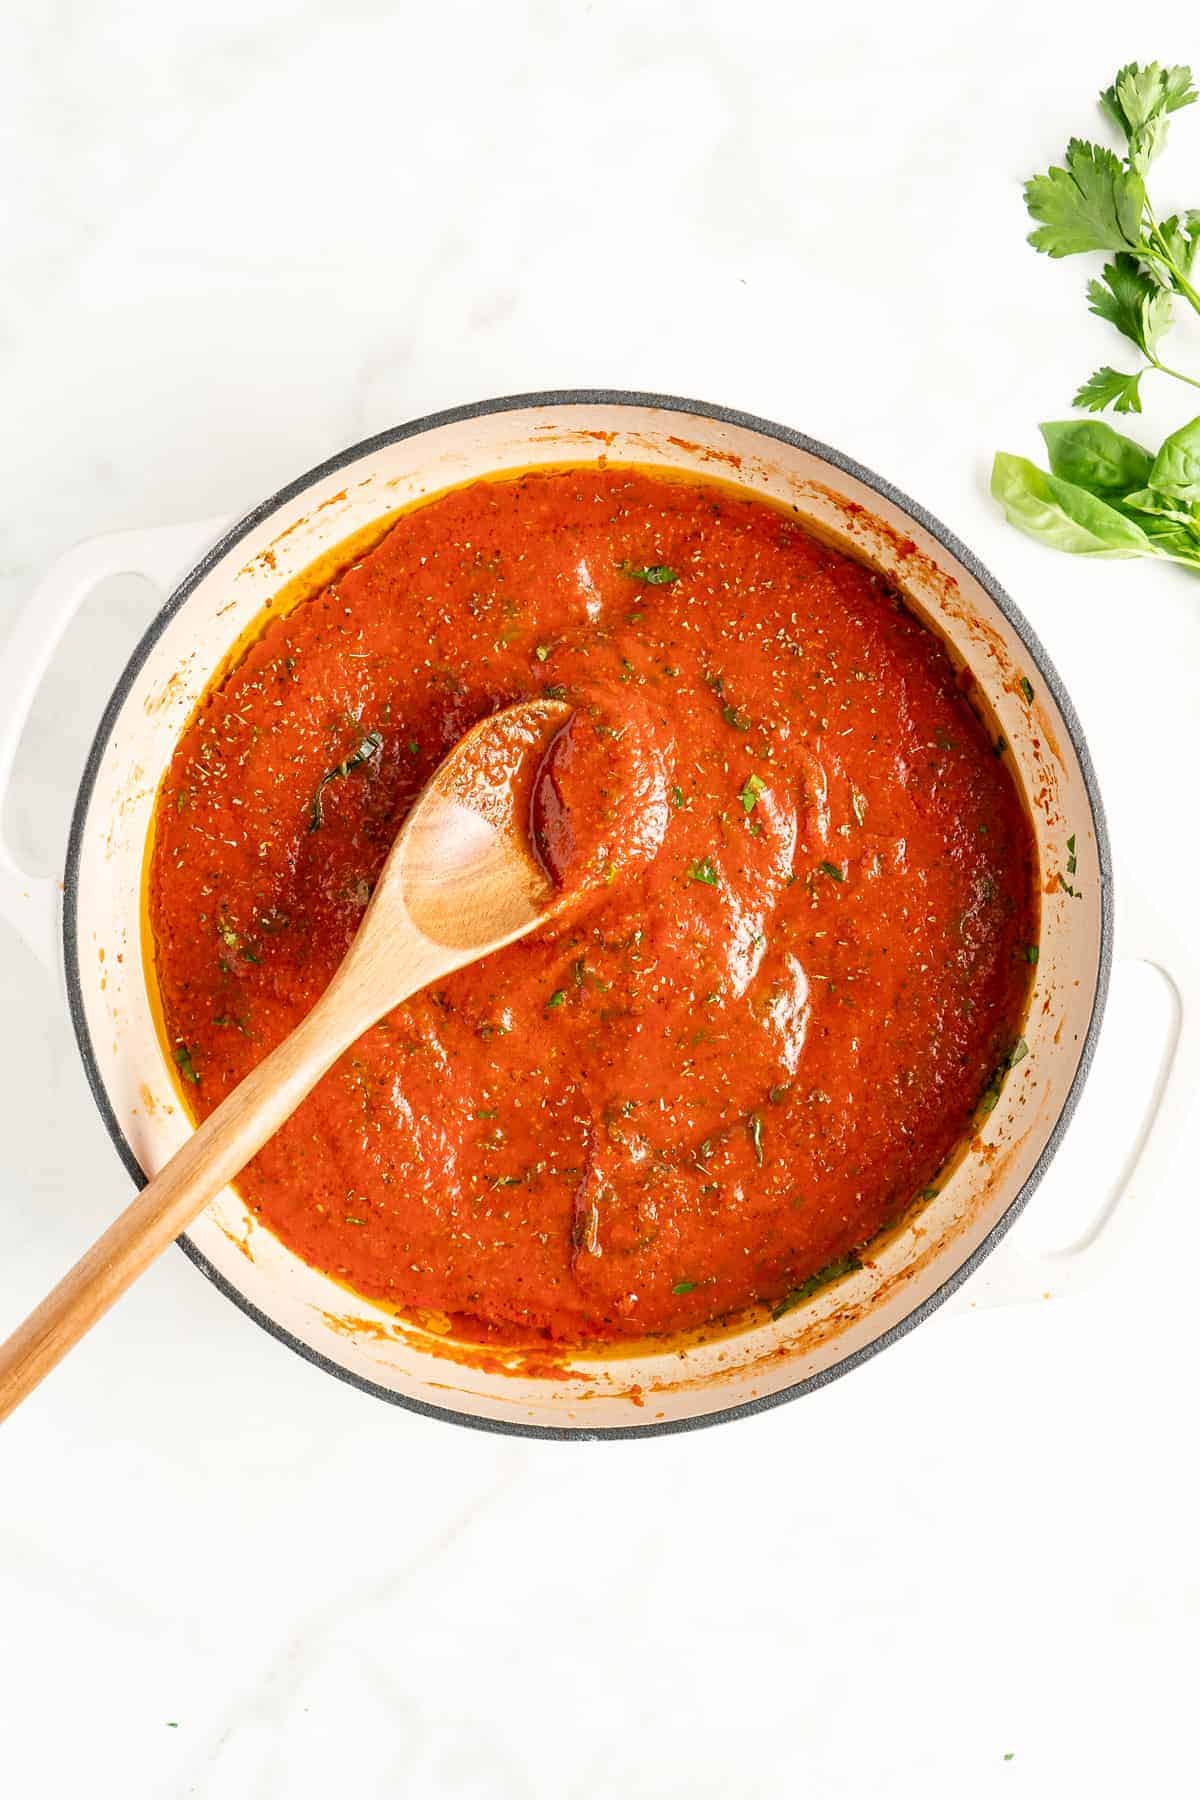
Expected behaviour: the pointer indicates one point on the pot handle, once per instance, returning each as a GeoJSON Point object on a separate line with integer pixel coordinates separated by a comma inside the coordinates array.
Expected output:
{"type": "Point", "coordinates": [32, 903]}
{"type": "Point", "coordinates": [1012, 1276]}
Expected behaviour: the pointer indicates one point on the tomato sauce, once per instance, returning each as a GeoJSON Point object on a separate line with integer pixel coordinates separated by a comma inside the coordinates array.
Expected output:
{"type": "Point", "coordinates": [801, 949]}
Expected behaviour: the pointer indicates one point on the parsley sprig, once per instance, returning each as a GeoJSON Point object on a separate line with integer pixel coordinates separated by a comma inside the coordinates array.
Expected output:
{"type": "Point", "coordinates": [1104, 494]}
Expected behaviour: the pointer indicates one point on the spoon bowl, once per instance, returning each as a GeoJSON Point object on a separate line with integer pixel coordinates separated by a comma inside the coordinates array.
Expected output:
{"type": "Point", "coordinates": [463, 867]}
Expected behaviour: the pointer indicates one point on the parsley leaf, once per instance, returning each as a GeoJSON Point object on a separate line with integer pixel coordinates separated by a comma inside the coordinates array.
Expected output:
{"type": "Point", "coordinates": [1139, 101]}
{"type": "Point", "coordinates": [1095, 203]}
{"type": "Point", "coordinates": [703, 871]}
{"type": "Point", "coordinates": [1110, 387]}
{"type": "Point", "coordinates": [1180, 235]}
{"type": "Point", "coordinates": [1132, 301]}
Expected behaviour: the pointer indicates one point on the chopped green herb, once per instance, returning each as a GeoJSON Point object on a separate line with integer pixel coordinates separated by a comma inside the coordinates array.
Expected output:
{"type": "Point", "coordinates": [653, 574]}
{"type": "Point", "coordinates": [185, 1065]}
{"type": "Point", "coordinates": [991, 1092]}
{"type": "Point", "coordinates": [683, 1287]}
{"type": "Point", "coordinates": [557, 997]}
{"type": "Point", "coordinates": [832, 870]}
{"type": "Point", "coordinates": [1008, 1755]}
{"type": "Point", "coordinates": [542, 651]}
{"type": "Point", "coordinates": [677, 798]}
{"type": "Point", "coordinates": [754, 786]}
{"type": "Point", "coordinates": [1072, 864]}
{"type": "Point", "coordinates": [1026, 687]}
{"type": "Point", "coordinates": [833, 1271]}
{"type": "Point", "coordinates": [756, 1136]}
{"type": "Point", "coordinates": [485, 1112]}
{"type": "Point", "coordinates": [704, 871]}
{"type": "Point", "coordinates": [776, 1094]}
{"type": "Point", "coordinates": [368, 747]}
{"type": "Point", "coordinates": [733, 715]}
{"type": "Point", "coordinates": [1066, 887]}
{"type": "Point", "coordinates": [172, 1724]}
{"type": "Point", "coordinates": [929, 1193]}
{"type": "Point", "coordinates": [414, 749]}
{"type": "Point", "coordinates": [1031, 953]}
{"type": "Point", "coordinates": [555, 691]}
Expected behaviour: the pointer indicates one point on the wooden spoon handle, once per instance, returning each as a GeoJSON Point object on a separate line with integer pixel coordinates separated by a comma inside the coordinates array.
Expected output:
{"type": "Point", "coordinates": [211, 1157]}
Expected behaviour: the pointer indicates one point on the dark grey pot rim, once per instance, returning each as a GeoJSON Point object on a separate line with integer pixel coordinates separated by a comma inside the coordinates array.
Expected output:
{"type": "Point", "coordinates": [660, 402]}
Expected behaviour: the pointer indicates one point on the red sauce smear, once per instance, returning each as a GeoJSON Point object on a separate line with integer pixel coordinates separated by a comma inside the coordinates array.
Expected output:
{"type": "Point", "coordinates": [799, 957]}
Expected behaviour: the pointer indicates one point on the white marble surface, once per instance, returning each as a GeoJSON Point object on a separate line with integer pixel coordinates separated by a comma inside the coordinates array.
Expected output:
{"type": "Point", "coordinates": [237, 239]}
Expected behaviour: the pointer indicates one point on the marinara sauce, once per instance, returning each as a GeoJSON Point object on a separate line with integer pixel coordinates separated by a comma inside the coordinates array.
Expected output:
{"type": "Point", "coordinates": [799, 956]}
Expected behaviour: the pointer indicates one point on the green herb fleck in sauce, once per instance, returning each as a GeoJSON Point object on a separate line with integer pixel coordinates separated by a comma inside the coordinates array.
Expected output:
{"type": "Point", "coordinates": [833, 1271]}
{"type": "Point", "coordinates": [756, 1136]}
{"type": "Point", "coordinates": [703, 871]}
{"type": "Point", "coordinates": [368, 747]}
{"type": "Point", "coordinates": [653, 574]}
{"type": "Point", "coordinates": [754, 786]}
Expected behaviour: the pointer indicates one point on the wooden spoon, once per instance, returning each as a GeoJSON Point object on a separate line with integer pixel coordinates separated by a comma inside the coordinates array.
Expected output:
{"type": "Point", "coordinates": [460, 881]}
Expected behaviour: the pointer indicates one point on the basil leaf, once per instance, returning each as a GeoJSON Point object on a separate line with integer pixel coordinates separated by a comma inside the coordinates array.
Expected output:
{"type": "Point", "coordinates": [1176, 468]}
{"type": "Point", "coordinates": [1094, 456]}
{"type": "Point", "coordinates": [1063, 515]}
{"type": "Point", "coordinates": [1159, 506]}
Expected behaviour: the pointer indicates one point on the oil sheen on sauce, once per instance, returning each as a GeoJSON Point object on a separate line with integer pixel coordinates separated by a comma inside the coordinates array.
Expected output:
{"type": "Point", "coordinates": [799, 955]}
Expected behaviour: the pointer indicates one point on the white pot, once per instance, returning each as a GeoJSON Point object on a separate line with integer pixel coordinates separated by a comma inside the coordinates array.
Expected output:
{"type": "Point", "coordinates": [907, 1275]}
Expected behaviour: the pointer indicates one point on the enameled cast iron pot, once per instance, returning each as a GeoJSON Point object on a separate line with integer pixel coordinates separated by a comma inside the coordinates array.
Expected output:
{"type": "Point", "coordinates": [908, 1274]}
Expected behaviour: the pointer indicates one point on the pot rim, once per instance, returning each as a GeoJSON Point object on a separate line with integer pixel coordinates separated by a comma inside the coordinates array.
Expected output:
{"type": "Point", "coordinates": [659, 402]}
